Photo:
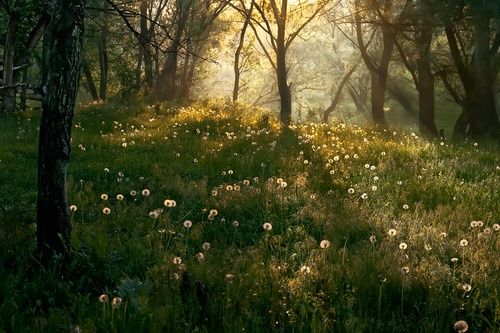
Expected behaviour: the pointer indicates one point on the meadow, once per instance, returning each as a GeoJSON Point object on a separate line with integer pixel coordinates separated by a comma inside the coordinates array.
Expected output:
{"type": "Point", "coordinates": [214, 218]}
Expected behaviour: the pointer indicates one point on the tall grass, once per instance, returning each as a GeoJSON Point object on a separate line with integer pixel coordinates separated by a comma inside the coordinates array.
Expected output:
{"type": "Point", "coordinates": [312, 228]}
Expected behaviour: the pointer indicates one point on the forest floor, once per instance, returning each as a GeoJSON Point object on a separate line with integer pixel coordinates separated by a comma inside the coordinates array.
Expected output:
{"type": "Point", "coordinates": [213, 218]}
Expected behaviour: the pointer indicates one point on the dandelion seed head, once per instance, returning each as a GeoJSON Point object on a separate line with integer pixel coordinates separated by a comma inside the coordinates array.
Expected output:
{"type": "Point", "coordinates": [461, 326]}
{"type": "Point", "coordinates": [117, 301]}
{"type": "Point", "coordinates": [324, 244]}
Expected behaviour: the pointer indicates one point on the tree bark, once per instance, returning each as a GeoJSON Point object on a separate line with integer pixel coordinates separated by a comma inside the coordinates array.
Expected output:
{"type": "Point", "coordinates": [425, 84]}
{"type": "Point", "coordinates": [102, 46]}
{"type": "Point", "coordinates": [90, 79]}
{"type": "Point", "coordinates": [237, 55]}
{"type": "Point", "coordinates": [53, 216]}
{"type": "Point", "coordinates": [167, 81]}
{"type": "Point", "coordinates": [338, 93]}
{"type": "Point", "coordinates": [145, 45]}
{"type": "Point", "coordinates": [484, 118]}
{"type": "Point", "coordinates": [9, 92]}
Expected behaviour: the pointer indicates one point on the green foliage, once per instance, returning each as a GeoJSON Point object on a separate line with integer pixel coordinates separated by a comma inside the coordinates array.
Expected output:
{"type": "Point", "coordinates": [330, 262]}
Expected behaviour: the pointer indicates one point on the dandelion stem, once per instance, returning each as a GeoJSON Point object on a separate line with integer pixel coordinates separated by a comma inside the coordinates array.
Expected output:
{"type": "Point", "coordinates": [379, 300]}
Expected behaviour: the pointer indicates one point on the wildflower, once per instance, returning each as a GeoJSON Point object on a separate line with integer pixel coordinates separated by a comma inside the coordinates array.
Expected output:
{"type": "Point", "coordinates": [104, 197]}
{"type": "Point", "coordinates": [392, 232]}
{"type": "Point", "coordinates": [283, 184]}
{"type": "Point", "coordinates": [376, 178]}
{"type": "Point", "coordinates": [479, 223]}
{"type": "Point", "coordinates": [106, 211]}
{"type": "Point", "coordinates": [145, 192]}
{"type": "Point", "coordinates": [466, 287]}
{"type": "Point", "coordinates": [443, 235]}
{"type": "Point", "coordinates": [454, 260]}
{"type": "Point", "coordinates": [246, 182]}
{"type": "Point", "coordinates": [119, 197]}
{"type": "Point", "coordinates": [214, 193]}
{"type": "Point", "coordinates": [236, 223]}
{"type": "Point", "coordinates": [427, 247]}
{"type": "Point", "coordinates": [267, 226]}
{"type": "Point", "coordinates": [154, 214]}
{"type": "Point", "coordinates": [350, 191]}
{"type": "Point", "coordinates": [461, 326]}
{"type": "Point", "coordinates": [117, 301]}
{"type": "Point", "coordinates": [373, 239]}
{"type": "Point", "coordinates": [496, 227]}
{"type": "Point", "coordinates": [229, 278]}
{"type": "Point", "coordinates": [405, 270]}
{"type": "Point", "coordinates": [305, 269]}
{"type": "Point", "coordinates": [200, 256]}
{"type": "Point", "coordinates": [106, 170]}
{"type": "Point", "coordinates": [213, 212]}
{"type": "Point", "coordinates": [405, 206]}
{"type": "Point", "coordinates": [403, 246]}
{"type": "Point", "coordinates": [177, 260]}
{"type": "Point", "coordinates": [374, 188]}
{"type": "Point", "coordinates": [73, 208]}
{"type": "Point", "coordinates": [237, 188]}
{"type": "Point", "coordinates": [464, 242]}
{"type": "Point", "coordinates": [487, 231]}
{"type": "Point", "coordinates": [169, 203]}
{"type": "Point", "coordinates": [367, 166]}
{"type": "Point", "coordinates": [187, 224]}
{"type": "Point", "coordinates": [324, 244]}
{"type": "Point", "coordinates": [206, 246]}
{"type": "Point", "coordinates": [230, 172]}
{"type": "Point", "coordinates": [103, 298]}
{"type": "Point", "coordinates": [364, 196]}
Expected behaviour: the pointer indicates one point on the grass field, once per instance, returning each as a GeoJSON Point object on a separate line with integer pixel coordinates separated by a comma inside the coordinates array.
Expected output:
{"type": "Point", "coordinates": [212, 218]}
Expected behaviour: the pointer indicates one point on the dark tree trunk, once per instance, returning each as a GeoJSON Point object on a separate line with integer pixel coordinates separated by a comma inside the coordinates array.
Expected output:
{"type": "Point", "coordinates": [53, 216]}
{"type": "Point", "coordinates": [103, 61]}
{"type": "Point", "coordinates": [425, 84]}
{"type": "Point", "coordinates": [24, 90]}
{"type": "Point", "coordinates": [484, 118]}
{"type": "Point", "coordinates": [90, 79]}
{"type": "Point", "coordinates": [167, 81]}
{"type": "Point", "coordinates": [283, 87]}
{"type": "Point", "coordinates": [379, 78]}
{"type": "Point", "coordinates": [9, 90]}
{"type": "Point", "coordinates": [146, 44]}
{"type": "Point", "coordinates": [237, 55]}
{"type": "Point", "coordinates": [338, 93]}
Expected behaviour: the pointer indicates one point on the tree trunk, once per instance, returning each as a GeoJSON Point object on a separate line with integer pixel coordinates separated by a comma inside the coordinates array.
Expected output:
{"type": "Point", "coordinates": [53, 216]}
{"type": "Point", "coordinates": [379, 78]}
{"type": "Point", "coordinates": [241, 43]}
{"type": "Point", "coordinates": [9, 91]}
{"type": "Point", "coordinates": [484, 118]}
{"type": "Point", "coordinates": [90, 79]}
{"type": "Point", "coordinates": [102, 46]}
{"type": "Point", "coordinates": [166, 88]}
{"type": "Point", "coordinates": [338, 93]}
{"type": "Point", "coordinates": [425, 84]}
{"type": "Point", "coordinates": [145, 45]}
{"type": "Point", "coordinates": [24, 90]}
